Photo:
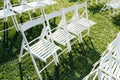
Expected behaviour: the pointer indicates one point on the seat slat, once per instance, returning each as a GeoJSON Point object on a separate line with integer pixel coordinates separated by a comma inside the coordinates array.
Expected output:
{"type": "Point", "coordinates": [62, 37]}
{"type": "Point", "coordinates": [42, 46]}
{"type": "Point", "coordinates": [44, 51]}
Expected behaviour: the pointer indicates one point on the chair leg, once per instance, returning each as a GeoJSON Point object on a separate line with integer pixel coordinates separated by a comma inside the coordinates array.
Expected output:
{"type": "Point", "coordinates": [35, 66]}
{"type": "Point", "coordinates": [88, 32]}
{"type": "Point", "coordinates": [21, 51]}
{"type": "Point", "coordinates": [80, 38]}
{"type": "Point", "coordinates": [56, 56]}
{"type": "Point", "coordinates": [55, 59]}
{"type": "Point", "coordinates": [29, 15]}
{"type": "Point", "coordinates": [99, 74]}
{"type": "Point", "coordinates": [69, 47]}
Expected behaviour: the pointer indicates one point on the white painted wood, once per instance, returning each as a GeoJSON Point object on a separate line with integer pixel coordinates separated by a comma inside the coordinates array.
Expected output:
{"type": "Point", "coordinates": [78, 23]}
{"type": "Point", "coordinates": [108, 66]}
{"type": "Point", "coordinates": [61, 36]}
{"type": "Point", "coordinates": [21, 8]}
{"type": "Point", "coordinates": [39, 47]}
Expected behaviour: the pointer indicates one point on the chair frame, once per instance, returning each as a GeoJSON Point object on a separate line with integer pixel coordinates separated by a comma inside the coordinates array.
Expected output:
{"type": "Point", "coordinates": [23, 28]}
{"type": "Point", "coordinates": [74, 21]}
{"type": "Point", "coordinates": [109, 63]}
{"type": "Point", "coordinates": [59, 27]}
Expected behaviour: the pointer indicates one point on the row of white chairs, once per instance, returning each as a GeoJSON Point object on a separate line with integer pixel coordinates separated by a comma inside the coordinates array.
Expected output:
{"type": "Point", "coordinates": [108, 67]}
{"type": "Point", "coordinates": [10, 10]}
{"type": "Point", "coordinates": [43, 46]}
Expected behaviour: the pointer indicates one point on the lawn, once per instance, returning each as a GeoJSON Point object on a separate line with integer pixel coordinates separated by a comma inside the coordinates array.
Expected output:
{"type": "Point", "coordinates": [74, 65]}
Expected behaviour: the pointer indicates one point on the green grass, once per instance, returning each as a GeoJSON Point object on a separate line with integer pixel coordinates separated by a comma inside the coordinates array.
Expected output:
{"type": "Point", "coordinates": [73, 66]}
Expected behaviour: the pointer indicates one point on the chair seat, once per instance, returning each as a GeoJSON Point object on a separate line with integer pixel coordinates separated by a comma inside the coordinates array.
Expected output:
{"type": "Point", "coordinates": [86, 23]}
{"type": "Point", "coordinates": [114, 5]}
{"type": "Point", "coordinates": [75, 28]}
{"type": "Point", "coordinates": [43, 49]}
{"type": "Point", "coordinates": [62, 37]}
{"type": "Point", "coordinates": [35, 4]}
{"type": "Point", "coordinates": [6, 13]}
{"type": "Point", "coordinates": [49, 2]}
{"type": "Point", "coordinates": [21, 8]}
{"type": "Point", "coordinates": [115, 70]}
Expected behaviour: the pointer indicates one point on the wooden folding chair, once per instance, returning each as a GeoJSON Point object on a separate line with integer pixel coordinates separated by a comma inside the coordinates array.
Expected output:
{"type": "Point", "coordinates": [114, 47]}
{"type": "Point", "coordinates": [41, 4]}
{"type": "Point", "coordinates": [22, 8]}
{"type": "Point", "coordinates": [77, 24]}
{"type": "Point", "coordinates": [83, 17]}
{"type": "Point", "coordinates": [34, 4]}
{"type": "Point", "coordinates": [8, 12]}
{"type": "Point", "coordinates": [72, 26]}
{"type": "Point", "coordinates": [101, 71]}
{"type": "Point", "coordinates": [108, 67]}
{"type": "Point", "coordinates": [112, 6]}
{"type": "Point", "coordinates": [61, 36]}
{"type": "Point", "coordinates": [41, 47]}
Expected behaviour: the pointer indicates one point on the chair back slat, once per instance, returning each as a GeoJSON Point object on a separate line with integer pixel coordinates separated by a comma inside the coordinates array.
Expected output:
{"type": "Point", "coordinates": [82, 5]}
{"type": "Point", "coordinates": [71, 8]}
{"type": "Point", "coordinates": [29, 24]}
{"type": "Point", "coordinates": [53, 15]}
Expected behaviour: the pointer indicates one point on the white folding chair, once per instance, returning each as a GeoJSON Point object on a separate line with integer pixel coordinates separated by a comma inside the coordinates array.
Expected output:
{"type": "Point", "coordinates": [108, 67]}
{"type": "Point", "coordinates": [112, 6]}
{"type": "Point", "coordinates": [77, 23]}
{"type": "Point", "coordinates": [41, 47]}
{"type": "Point", "coordinates": [97, 71]}
{"type": "Point", "coordinates": [61, 36]}
{"type": "Point", "coordinates": [103, 70]}
{"type": "Point", "coordinates": [72, 26]}
{"type": "Point", "coordinates": [34, 4]}
{"type": "Point", "coordinates": [39, 4]}
{"type": "Point", "coordinates": [83, 17]}
{"type": "Point", "coordinates": [8, 12]}
{"type": "Point", "coordinates": [114, 47]}
{"type": "Point", "coordinates": [49, 2]}
{"type": "Point", "coordinates": [22, 8]}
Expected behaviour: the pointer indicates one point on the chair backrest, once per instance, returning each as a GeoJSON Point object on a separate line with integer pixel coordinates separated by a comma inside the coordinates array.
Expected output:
{"type": "Point", "coordinates": [114, 47]}
{"type": "Point", "coordinates": [68, 11]}
{"type": "Point", "coordinates": [112, 70]}
{"type": "Point", "coordinates": [29, 24]}
{"type": "Point", "coordinates": [82, 10]}
{"type": "Point", "coordinates": [7, 5]}
{"type": "Point", "coordinates": [114, 1]}
{"type": "Point", "coordinates": [32, 23]}
{"type": "Point", "coordinates": [54, 15]}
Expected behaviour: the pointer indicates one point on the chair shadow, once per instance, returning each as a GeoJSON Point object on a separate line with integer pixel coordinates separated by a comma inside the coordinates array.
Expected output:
{"type": "Point", "coordinates": [73, 0]}
{"type": "Point", "coordinates": [92, 53]}
{"type": "Point", "coordinates": [21, 71]}
{"type": "Point", "coordinates": [56, 73]}
{"type": "Point", "coordinates": [95, 8]}
{"type": "Point", "coordinates": [77, 61]}
{"type": "Point", "coordinates": [12, 51]}
{"type": "Point", "coordinates": [115, 19]}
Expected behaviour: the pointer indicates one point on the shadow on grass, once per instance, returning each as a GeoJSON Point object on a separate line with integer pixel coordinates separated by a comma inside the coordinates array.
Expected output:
{"type": "Point", "coordinates": [73, 0]}
{"type": "Point", "coordinates": [90, 50]}
{"type": "Point", "coordinates": [21, 71]}
{"type": "Point", "coordinates": [95, 8]}
{"type": "Point", "coordinates": [78, 63]}
{"type": "Point", "coordinates": [116, 20]}
{"type": "Point", "coordinates": [12, 50]}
